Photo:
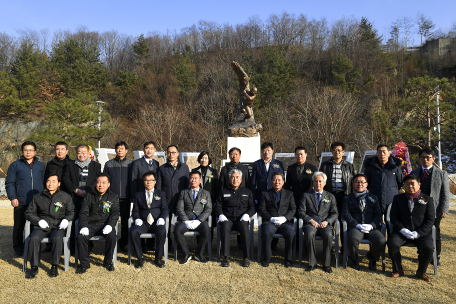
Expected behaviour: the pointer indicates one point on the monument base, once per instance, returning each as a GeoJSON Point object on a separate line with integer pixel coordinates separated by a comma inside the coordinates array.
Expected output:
{"type": "Point", "coordinates": [250, 147]}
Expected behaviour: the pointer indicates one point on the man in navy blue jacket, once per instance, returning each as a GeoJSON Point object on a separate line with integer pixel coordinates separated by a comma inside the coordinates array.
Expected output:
{"type": "Point", "coordinates": [25, 178]}
{"type": "Point", "coordinates": [150, 210]}
{"type": "Point", "coordinates": [172, 179]}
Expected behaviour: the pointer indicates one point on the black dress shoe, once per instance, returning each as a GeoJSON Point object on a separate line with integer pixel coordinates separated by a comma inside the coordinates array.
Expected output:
{"type": "Point", "coordinates": [355, 264]}
{"type": "Point", "coordinates": [245, 262]}
{"type": "Point", "coordinates": [19, 254]}
{"type": "Point", "coordinates": [372, 262]}
{"type": "Point", "coordinates": [54, 272]}
{"type": "Point", "coordinates": [226, 262]}
{"type": "Point", "coordinates": [288, 264]}
{"type": "Point", "coordinates": [139, 263]}
{"type": "Point", "coordinates": [200, 258]}
{"type": "Point", "coordinates": [186, 258]}
{"type": "Point", "coordinates": [32, 272]}
{"type": "Point", "coordinates": [109, 266]}
{"type": "Point", "coordinates": [327, 269]}
{"type": "Point", "coordinates": [311, 268]}
{"type": "Point", "coordinates": [265, 263]}
{"type": "Point", "coordinates": [159, 263]}
{"type": "Point", "coordinates": [81, 269]}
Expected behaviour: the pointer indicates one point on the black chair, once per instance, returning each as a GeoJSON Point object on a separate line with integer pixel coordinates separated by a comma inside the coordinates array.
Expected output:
{"type": "Point", "coordinates": [66, 245]}
{"type": "Point", "coordinates": [363, 241]}
{"type": "Point", "coordinates": [335, 240]}
{"type": "Point", "coordinates": [388, 222]}
{"type": "Point", "coordinates": [219, 238]}
{"type": "Point", "coordinates": [148, 235]}
{"type": "Point", "coordinates": [194, 233]}
{"type": "Point", "coordinates": [276, 235]}
{"type": "Point", "coordinates": [94, 238]}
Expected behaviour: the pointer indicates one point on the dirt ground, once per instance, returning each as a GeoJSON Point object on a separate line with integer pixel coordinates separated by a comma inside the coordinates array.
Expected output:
{"type": "Point", "coordinates": [208, 283]}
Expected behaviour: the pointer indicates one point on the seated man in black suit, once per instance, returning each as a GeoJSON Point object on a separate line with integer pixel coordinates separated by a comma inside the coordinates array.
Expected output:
{"type": "Point", "coordinates": [234, 207]}
{"type": "Point", "coordinates": [99, 215]}
{"type": "Point", "coordinates": [318, 209]}
{"type": "Point", "coordinates": [277, 208]}
{"type": "Point", "coordinates": [193, 208]}
{"type": "Point", "coordinates": [150, 209]}
{"type": "Point", "coordinates": [412, 216]}
{"type": "Point", "coordinates": [362, 212]}
{"type": "Point", "coordinates": [49, 213]}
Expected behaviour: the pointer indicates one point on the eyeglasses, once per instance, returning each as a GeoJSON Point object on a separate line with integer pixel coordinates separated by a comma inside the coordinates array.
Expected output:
{"type": "Point", "coordinates": [338, 151]}
{"type": "Point", "coordinates": [172, 152]}
{"type": "Point", "coordinates": [149, 180]}
{"type": "Point", "coordinates": [359, 182]}
{"type": "Point", "coordinates": [28, 150]}
{"type": "Point", "coordinates": [427, 157]}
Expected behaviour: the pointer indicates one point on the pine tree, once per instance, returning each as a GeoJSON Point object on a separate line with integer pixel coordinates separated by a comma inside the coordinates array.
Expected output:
{"type": "Point", "coordinates": [185, 75]}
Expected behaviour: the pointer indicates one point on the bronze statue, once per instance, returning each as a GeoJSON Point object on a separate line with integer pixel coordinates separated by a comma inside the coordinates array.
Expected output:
{"type": "Point", "coordinates": [245, 125]}
{"type": "Point", "coordinates": [247, 95]}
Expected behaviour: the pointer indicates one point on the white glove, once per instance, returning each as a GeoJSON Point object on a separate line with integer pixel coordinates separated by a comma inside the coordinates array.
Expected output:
{"type": "Point", "coordinates": [280, 220]}
{"type": "Point", "coordinates": [415, 235]}
{"type": "Point", "coordinates": [84, 231]}
{"type": "Point", "coordinates": [245, 218]}
{"type": "Point", "coordinates": [367, 227]}
{"type": "Point", "coordinates": [160, 222]}
{"type": "Point", "coordinates": [138, 222]}
{"type": "Point", "coordinates": [188, 224]}
{"type": "Point", "coordinates": [273, 220]}
{"type": "Point", "coordinates": [196, 223]}
{"type": "Point", "coordinates": [43, 224]}
{"type": "Point", "coordinates": [365, 231]}
{"type": "Point", "coordinates": [222, 218]}
{"type": "Point", "coordinates": [407, 233]}
{"type": "Point", "coordinates": [107, 229]}
{"type": "Point", "coordinates": [63, 224]}
{"type": "Point", "coordinates": [360, 227]}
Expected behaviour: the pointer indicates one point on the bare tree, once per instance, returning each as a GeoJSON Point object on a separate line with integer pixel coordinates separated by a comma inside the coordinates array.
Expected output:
{"type": "Point", "coordinates": [425, 27]}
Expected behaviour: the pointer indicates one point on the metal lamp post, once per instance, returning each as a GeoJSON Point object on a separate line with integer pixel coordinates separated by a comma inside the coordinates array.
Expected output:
{"type": "Point", "coordinates": [438, 128]}
{"type": "Point", "coordinates": [100, 105]}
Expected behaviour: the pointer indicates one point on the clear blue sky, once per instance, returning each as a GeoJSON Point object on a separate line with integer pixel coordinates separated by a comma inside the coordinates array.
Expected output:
{"type": "Point", "coordinates": [135, 17]}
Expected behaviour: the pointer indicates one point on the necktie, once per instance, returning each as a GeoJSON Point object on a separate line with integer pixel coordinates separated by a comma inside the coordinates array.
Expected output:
{"type": "Point", "coordinates": [424, 174]}
{"type": "Point", "coordinates": [318, 198]}
{"type": "Point", "coordinates": [150, 219]}
{"type": "Point", "coordinates": [195, 194]}
{"type": "Point", "coordinates": [150, 162]}
{"type": "Point", "coordinates": [362, 204]}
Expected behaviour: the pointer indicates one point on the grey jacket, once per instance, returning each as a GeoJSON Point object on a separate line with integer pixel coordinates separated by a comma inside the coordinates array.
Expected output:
{"type": "Point", "coordinates": [309, 210]}
{"type": "Point", "coordinates": [440, 189]}
{"type": "Point", "coordinates": [202, 207]}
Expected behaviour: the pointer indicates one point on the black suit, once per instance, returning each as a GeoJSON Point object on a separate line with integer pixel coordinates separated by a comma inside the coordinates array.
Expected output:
{"type": "Point", "coordinates": [261, 179]}
{"type": "Point", "coordinates": [371, 214]}
{"type": "Point", "coordinates": [268, 208]}
{"type": "Point", "coordinates": [71, 182]}
{"type": "Point", "coordinates": [420, 220]}
{"type": "Point", "coordinates": [224, 181]}
{"type": "Point", "coordinates": [326, 211]}
{"type": "Point", "coordinates": [189, 209]}
{"type": "Point", "coordinates": [299, 183]}
{"type": "Point", "coordinates": [172, 181]}
{"type": "Point", "coordinates": [56, 166]}
{"type": "Point", "coordinates": [158, 209]}
{"type": "Point", "coordinates": [210, 182]}
{"type": "Point", "coordinates": [138, 168]}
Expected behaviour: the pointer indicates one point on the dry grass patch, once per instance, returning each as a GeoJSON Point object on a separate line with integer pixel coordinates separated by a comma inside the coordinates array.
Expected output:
{"type": "Point", "coordinates": [208, 283]}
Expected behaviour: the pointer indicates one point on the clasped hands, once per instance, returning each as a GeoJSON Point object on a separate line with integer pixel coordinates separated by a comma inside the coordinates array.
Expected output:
{"type": "Point", "coordinates": [160, 221]}
{"type": "Point", "coordinates": [279, 220]}
{"type": "Point", "coordinates": [411, 235]}
{"type": "Point", "coordinates": [316, 225]}
{"type": "Point", "coordinates": [365, 228]}
{"type": "Point", "coordinates": [223, 218]}
{"type": "Point", "coordinates": [192, 224]}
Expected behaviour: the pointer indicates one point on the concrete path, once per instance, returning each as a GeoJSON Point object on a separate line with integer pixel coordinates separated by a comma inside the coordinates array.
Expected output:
{"type": "Point", "coordinates": [5, 203]}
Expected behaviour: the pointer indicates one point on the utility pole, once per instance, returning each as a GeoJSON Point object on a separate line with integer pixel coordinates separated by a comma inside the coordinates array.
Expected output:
{"type": "Point", "coordinates": [100, 105]}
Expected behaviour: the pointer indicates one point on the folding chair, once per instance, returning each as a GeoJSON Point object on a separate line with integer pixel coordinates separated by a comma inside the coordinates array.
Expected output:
{"type": "Point", "coordinates": [194, 233]}
{"type": "Point", "coordinates": [276, 235]}
{"type": "Point", "coordinates": [363, 241]}
{"type": "Point", "coordinates": [335, 240]}
{"type": "Point", "coordinates": [388, 222]}
{"type": "Point", "coordinates": [94, 238]}
{"type": "Point", "coordinates": [147, 235]}
{"type": "Point", "coordinates": [219, 238]}
{"type": "Point", "coordinates": [66, 245]}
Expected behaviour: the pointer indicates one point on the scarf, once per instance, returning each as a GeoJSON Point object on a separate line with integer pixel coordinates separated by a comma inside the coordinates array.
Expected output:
{"type": "Point", "coordinates": [414, 195]}
{"type": "Point", "coordinates": [81, 164]}
{"type": "Point", "coordinates": [361, 197]}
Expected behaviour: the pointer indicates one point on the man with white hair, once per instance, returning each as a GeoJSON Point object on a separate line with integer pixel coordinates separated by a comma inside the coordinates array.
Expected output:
{"type": "Point", "coordinates": [233, 208]}
{"type": "Point", "coordinates": [318, 210]}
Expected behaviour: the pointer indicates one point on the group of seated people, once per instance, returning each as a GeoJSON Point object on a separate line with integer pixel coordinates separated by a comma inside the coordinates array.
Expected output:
{"type": "Point", "coordinates": [412, 216]}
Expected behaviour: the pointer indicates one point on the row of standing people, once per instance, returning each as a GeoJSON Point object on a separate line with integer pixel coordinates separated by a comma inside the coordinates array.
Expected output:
{"type": "Point", "coordinates": [78, 178]}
